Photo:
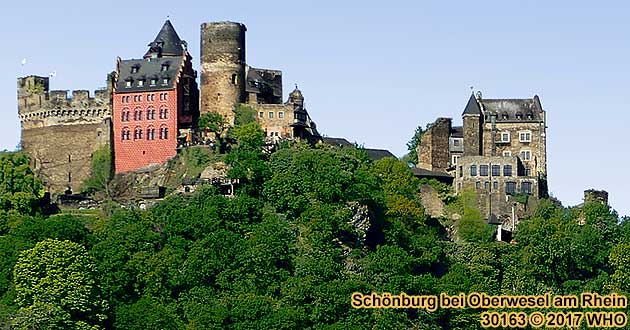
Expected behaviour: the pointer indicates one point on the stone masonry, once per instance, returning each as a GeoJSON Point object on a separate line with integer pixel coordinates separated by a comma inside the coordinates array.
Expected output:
{"type": "Point", "coordinates": [60, 134]}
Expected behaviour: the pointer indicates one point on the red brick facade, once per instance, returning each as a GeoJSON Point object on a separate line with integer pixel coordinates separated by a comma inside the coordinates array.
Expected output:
{"type": "Point", "coordinates": [144, 128]}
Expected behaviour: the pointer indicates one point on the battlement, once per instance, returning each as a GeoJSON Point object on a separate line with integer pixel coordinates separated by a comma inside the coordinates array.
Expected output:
{"type": "Point", "coordinates": [38, 106]}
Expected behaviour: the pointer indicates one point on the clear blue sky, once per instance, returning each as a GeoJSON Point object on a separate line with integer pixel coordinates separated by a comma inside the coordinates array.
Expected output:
{"type": "Point", "coordinates": [373, 71]}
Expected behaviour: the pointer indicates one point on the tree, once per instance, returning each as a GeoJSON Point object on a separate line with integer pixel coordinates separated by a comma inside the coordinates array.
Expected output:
{"type": "Point", "coordinates": [58, 276]}
{"type": "Point", "coordinates": [412, 146]}
{"type": "Point", "coordinates": [102, 171]}
{"type": "Point", "coordinates": [215, 123]}
{"type": "Point", "coordinates": [20, 190]}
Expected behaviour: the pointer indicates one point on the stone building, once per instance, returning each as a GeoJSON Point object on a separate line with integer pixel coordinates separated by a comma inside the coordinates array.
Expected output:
{"type": "Point", "coordinates": [500, 152]}
{"type": "Point", "coordinates": [226, 81]}
{"type": "Point", "coordinates": [151, 106]}
{"type": "Point", "coordinates": [155, 103]}
{"type": "Point", "coordinates": [61, 133]}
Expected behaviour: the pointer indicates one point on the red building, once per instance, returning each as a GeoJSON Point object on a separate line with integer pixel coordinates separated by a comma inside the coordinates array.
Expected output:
{"type": "Point", "coordinates": [155, 103]}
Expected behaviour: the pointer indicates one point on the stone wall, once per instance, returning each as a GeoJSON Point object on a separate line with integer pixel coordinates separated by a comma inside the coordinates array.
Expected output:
{"type": "Point", "coordinates": [433, 149]}
{"type": "Point", "coordinates": [275, 119]}
{"type": "Point", "coordinates": [62, 154]}
{"type": "Point", "coordinates": [472, 135]}
{"type": "Point", "coordinates": [222, 67]}
{"type": "Point", "coordinates": [492, 189]}
{"type": "Point", "coordinates": [60, 133]}
{"type": "Point", "coordinates": [536, 146]}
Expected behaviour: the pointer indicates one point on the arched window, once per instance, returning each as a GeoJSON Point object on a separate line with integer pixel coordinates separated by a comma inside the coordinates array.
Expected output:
{"type": "Point", "coordinates": [137, 133]}
{"type": "Point", "coordinates": [125, 135]}
{"type": "Point", "coordinates": [150, 113]}
{"type": "Point", "coordinates": [163, 133]}
{"type": "Point", "coordinates": [150, 133]}
{"type": "Point", "coordinates": [163, 113]}
{"type": "Point", "coordinates": [124, 115]}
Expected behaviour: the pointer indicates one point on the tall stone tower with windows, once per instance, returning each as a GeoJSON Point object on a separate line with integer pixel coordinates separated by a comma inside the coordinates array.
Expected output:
{"type": "Point", "coordinates": [223, 68]}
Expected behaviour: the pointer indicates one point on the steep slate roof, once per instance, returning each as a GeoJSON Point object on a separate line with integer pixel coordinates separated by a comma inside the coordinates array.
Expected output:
{"type": "Point", "coordinates": [376, 154]}
{"type": "Point", "coordinates": [421, 172]}
{"type": "Point", "coordinates": [168, 40]}
{"type": "Point", "coordinates": [264, 80]}
{"type": "Point", "coordinates": [150, 68]}
{"type": "Point", "coordinates": [339, 142]}
{"type": "Point", "coordinates": [457, 131]}
{"type": "Point", "coordinates": [472, 108]}
{"type": "Point", "coordinates": [508, 109]}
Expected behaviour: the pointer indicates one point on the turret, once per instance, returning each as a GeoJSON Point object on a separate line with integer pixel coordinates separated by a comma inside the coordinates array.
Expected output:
{"type": "Point", "coordinates": [473, 125]}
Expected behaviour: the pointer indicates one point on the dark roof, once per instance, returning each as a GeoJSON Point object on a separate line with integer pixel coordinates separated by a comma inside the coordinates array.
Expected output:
{"type": "Point", "coordinates": [457, 131]}
{"type": "Point", "coordinates": [167, 43]}
{"type": "Point", "coordinates": [264, 81]}
{"type": "Point", "coordinates": [472, 108]}
{"type": "Point", "coordinates": [513, 109]}
{"type": "Point", "coordinates": [421, 172]}
{"type": "Point", "coordinates": [147, 69]}
{"type": "Point", "coordinates": [376, 154]}
{"type": "Point", "coordinates": [339, 142]}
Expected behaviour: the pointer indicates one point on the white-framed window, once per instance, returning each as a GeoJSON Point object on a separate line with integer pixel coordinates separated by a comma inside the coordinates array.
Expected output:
{"type": "Point", "coordinates": [128, 83]}
{"type": "Point", "coordinates": [507, 153]}
{"type": "Point", "coordinates": [280, 114]}
{"type": "Point", "coordinates": [455, 159]}
{"type": "Point", "coordinates": [525, 136]}
{"type": "Point", "coordinates": [140, 83]}
{"type": "Point", "coordinates": [270, 114]}
{"type": "Point", "coordinates": [526, 155]}
{"type": "Point", "coordinates": [505, 137]}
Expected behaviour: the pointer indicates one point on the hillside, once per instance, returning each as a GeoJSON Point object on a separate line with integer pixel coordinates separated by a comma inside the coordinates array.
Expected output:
{"type": "Point", "coordinates": [307, 227]}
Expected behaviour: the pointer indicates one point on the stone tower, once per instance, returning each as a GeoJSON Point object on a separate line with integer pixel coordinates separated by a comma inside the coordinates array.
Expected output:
{"type": "Point", "coordinates": [222, 67]}
{"type": "Point", "coordinates": [472, 118]}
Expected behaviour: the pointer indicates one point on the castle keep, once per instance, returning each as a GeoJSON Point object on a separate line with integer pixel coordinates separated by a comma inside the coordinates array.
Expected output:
{"type": "Point", "coordinates": [226, 80]}
{"type": "Point", "coordinates": [499, 152]}
{"type": "Point", "coordinates": [151, 106]}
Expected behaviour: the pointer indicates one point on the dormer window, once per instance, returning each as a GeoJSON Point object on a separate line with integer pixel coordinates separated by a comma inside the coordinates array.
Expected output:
{"type": "Point", "coordinates": [165, 67]}
{"type": "Point", "coordinates": [519, 115]}
{"type": "Point", "coordinates": [128, 83]}
{"type": "Point", "coordinates": [135, 69]}
{"type": "Point", "coordinates": [505, 116]}
{"type": "Point", "coordinates": [153, 82]}
{"type": "Point", "coordinates": [164, 81]}
{"type": "Point", "coordinates": [140, 83]}
{"type": "Point", "coordinates": [530, 115]}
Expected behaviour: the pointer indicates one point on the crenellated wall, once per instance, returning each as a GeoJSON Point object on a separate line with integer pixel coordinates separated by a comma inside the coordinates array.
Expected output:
{"type": "Point", "coordinates": [62, 130]}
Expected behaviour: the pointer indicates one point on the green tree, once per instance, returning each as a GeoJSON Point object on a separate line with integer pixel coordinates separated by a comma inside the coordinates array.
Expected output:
{"type": "Point", "coordinates": [20, 190]}
{"type": "Point", "coordinates": [102, 171]}
{"type": "Point", "coordinates": [58, 276]}
{"type": "Point", "coordinates": [412, 146]}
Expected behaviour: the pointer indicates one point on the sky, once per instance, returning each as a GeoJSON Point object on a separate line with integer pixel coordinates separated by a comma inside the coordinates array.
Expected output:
{"type": "Point", "coordinates": [373, 71]}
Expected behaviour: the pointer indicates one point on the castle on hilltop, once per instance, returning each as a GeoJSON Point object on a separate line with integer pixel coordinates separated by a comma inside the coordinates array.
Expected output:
{"type": "Point", "coordinates": [500, 152]}
{"type": "Point", "coordinates": [150, 107]}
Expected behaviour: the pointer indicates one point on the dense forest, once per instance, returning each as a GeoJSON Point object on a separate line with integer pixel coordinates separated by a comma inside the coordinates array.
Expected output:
{"type": "Point", "coordinates": [307, 227]}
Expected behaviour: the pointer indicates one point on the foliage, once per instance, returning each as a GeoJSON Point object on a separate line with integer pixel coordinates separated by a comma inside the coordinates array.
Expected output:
{"type": "Point", "coordinates": [55, 279]}
{"type": "Point", "coordinates": [20, 190]}
{"type": "Point", "coordinates": [472, 227]}
{"type": "Point", "coordinates": [102, 171]}
{"type": "Point", "coordinates": [307, 228]}
{"type": "Point", "coordinates": [245, 114]}
{"type": "Point", "coordinates": [413, 144]}
{"type": "Point", "coordinates": [211, 121]}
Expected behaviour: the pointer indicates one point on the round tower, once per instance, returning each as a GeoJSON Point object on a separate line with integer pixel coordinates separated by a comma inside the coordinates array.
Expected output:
{"type": "Point", "coordinates": [222, 67]}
